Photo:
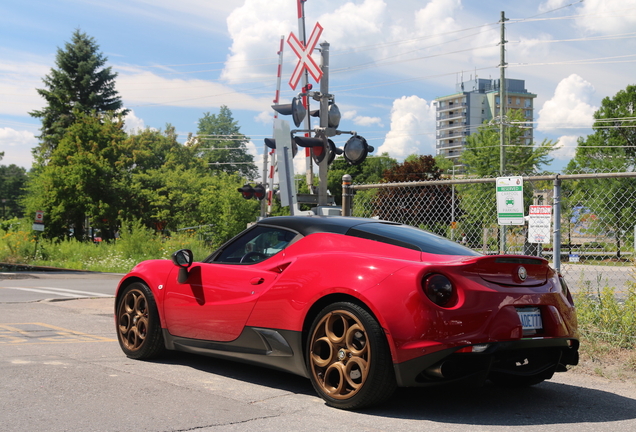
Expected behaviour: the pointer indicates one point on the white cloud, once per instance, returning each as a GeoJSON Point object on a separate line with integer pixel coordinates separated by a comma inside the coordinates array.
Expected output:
{"type": "Point", "coordinates": [607, 16]}
{"type": "Point", "coordinates": [18, 82]}
{"type": "Point", "coordinates": [569, 107]}
{"type": "Point", "coordinates": [412, 128]}
{"type": "Point", "coordinates": [367, 121]}
{"type": "Point", "coordinates": [599, 16]}
{"type": "Point", "coordinates": [552, 5]}
{"type": "Point", "coordinates": [265, 117]}
{"type": "Point", "coordinates": [361, 120]}
{"type": "Point", "coordinates": [362, 30]}
{"type": "Point", "coordinates": [536, 47]}
{"type": "Point", "coordinates": [17, 146]}
{"type": "Point", "coordinates": [437, 16]}
{"type": "Point", "coordinates": [132, 123]}
{"type": "Point", "coordinates": [255, 29]}
{"type": "Point", "coordinates": [146, 88]}
{"type": "Point", "coordinates": [353, 25]}
{"type": "Point", "coordinates": [566, 147]}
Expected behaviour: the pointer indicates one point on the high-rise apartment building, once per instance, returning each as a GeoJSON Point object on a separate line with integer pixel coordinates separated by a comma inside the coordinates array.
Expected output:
{"type": "Point", "coordinates": [476, 101]}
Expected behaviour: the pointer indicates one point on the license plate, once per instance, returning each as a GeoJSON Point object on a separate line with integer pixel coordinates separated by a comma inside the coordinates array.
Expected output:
{"type": "Point", "coordinates": [530, 318]}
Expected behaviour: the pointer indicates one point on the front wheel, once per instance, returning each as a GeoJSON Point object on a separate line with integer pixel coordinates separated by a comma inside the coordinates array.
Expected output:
{"type": "Point", "coordinates": [138, 326]}
{"type": "Point", "coordinates": [348, 357]}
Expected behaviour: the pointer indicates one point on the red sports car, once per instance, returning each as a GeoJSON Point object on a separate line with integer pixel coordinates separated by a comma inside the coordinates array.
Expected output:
{"type": "Point", "coordinates": [359, 306]}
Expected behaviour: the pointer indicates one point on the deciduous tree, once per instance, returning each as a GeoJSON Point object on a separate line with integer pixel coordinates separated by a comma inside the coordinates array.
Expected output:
{"type": "Point", "coordinates": [223, 146]}
{"type": "Point", "coordinates": [425, 206]}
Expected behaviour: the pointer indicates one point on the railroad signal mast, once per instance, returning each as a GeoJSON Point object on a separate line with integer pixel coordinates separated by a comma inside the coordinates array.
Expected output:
{"type": "Point", "coordinates": [320, 147]}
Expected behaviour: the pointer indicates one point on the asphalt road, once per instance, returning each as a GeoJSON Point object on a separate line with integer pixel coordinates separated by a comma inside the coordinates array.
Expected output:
{"type": "Point", "coordinates": [61, 369]}
{"type": "Point", "coordinates": [52, 286]}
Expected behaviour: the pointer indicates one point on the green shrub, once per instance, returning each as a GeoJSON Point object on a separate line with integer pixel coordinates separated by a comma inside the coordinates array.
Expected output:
{"type": "Point", "coordinates": [136, 243]}
{"type": "Point", "coordinates": [604, 316]}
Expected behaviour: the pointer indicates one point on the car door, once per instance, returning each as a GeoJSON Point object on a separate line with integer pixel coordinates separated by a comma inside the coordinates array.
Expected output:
{"type": "Point", "coordinates": [218, 297]}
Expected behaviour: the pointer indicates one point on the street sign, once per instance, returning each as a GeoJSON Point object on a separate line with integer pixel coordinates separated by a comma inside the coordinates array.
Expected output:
{"type": "Point", "coordinates": [510, 200]}
{"type": "Point", "coordinates": [539, 223]}
{"type": "Point", "coordinates": [305, 61]}
{"type": "Point", "coordinates": [38, 223]}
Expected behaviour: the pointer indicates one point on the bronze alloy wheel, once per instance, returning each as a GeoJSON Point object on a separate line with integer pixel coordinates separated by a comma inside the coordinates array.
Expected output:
{"type": "Point", "coordinates": [348, 357]}
{"type": "Point", "coordinates": [138, 328]}
{"type": "Point", "coordinates": [133, 319]}
{"type": "Point", "coordinates": [340, 354]}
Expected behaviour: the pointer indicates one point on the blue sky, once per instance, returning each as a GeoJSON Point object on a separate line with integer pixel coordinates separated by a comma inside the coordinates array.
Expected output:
{"type": "Point", "coordinates": [389, 60]}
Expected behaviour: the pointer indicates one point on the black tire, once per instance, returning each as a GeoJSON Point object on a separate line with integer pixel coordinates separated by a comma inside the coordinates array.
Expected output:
{"type": "Point", "coordinates": [348, 357]}
{"type": "Point", "coordinates": [138, 325]}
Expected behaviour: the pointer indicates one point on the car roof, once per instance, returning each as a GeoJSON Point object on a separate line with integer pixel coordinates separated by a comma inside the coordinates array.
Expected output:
{"type": "Point", "coordinates": [311, 224]}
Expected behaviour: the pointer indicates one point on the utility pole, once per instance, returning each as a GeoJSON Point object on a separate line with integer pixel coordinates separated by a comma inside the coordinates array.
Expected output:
{"type": "Point", "coordinates": [502, 113]}
{"type": "Point", "coordinates": [502, 95]}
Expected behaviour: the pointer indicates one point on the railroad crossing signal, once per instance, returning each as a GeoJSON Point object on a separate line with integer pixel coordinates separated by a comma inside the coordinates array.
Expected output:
{"type": "Point", "coordinates": [305, 61]}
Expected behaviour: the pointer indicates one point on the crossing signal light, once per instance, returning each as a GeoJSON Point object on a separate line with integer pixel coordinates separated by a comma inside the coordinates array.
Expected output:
{"type": "Point", "coordinates": [296, 109]}
{"type": "Point", "coordinates": [318, 148]}
{"type": "Point", "coordinates": [356, 150]}
{"type": "Point", "coordinates": [271, 143]}
{"type": "Point", "coordinates": [333, 115]}
{"type": "Point", "coordinates": [250, 191]}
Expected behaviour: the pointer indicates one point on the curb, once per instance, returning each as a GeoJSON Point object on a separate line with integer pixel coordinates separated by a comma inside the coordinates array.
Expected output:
{"type": "Point", "coordinates": [32, 268]}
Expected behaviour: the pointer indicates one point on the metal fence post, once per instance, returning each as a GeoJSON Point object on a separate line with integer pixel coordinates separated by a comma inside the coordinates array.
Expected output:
{"type": "Point", "coordinates": [556, 239]}
{"type": "Point", "coordinates": [347, 195]}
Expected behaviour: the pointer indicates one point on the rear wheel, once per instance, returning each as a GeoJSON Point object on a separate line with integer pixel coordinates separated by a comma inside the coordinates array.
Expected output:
{"type": "Point", "coordinates": [138, 326]}
{"type": "Point", "coordinates": [348, 357]}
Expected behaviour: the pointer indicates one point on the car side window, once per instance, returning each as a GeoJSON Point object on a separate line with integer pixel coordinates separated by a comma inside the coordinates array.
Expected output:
{"type": "Point", "coordinates": [256, 245]}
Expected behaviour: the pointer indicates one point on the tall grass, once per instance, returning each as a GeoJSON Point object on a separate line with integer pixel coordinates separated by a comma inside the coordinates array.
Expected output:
{"type": "Point", "coordinates": [19, 244]}
{"type": "Point", "coordinates": [605, 317]}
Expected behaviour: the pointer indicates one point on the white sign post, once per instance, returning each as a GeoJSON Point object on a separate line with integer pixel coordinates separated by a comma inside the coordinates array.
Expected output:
{"type": "Point", "coordinates": [285, 164]}
{"type": "Point", "coordinates": [539, 224]}
{"type": "Point", "coordinates": [510, 201]}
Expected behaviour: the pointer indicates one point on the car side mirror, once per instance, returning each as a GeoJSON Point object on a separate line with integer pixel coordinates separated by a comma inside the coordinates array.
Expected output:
{"type": "Point", "coordinates": [183, 259]}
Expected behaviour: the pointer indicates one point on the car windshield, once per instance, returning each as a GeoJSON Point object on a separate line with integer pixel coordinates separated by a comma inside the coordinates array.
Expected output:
{"type": "Point", "coordinates": [411, 238]}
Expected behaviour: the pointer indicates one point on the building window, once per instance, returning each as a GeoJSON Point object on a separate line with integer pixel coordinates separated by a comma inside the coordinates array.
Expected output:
{"type": "Point", "coordinates": [528, 103]}
{"type": "Point", "coordinates": [518, 101]}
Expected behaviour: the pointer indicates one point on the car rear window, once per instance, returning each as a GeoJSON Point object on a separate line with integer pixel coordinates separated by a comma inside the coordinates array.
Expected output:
{"type": "Point", "coordinates": [411, 238]}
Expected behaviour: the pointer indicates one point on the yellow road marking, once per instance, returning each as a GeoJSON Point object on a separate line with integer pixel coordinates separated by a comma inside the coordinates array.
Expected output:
{"type": "Point", "coordinates": [40, 333]}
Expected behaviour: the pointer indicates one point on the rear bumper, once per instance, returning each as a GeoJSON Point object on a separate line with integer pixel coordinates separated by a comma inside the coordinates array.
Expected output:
{"type": "Point", "coordinates": [525, 357]}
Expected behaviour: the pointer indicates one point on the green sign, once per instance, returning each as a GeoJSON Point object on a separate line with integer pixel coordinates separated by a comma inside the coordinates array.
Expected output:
{"type": "Point", "coordinates": [510, 200]}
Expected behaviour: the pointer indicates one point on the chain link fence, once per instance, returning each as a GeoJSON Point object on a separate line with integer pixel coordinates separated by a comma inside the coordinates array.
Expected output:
{"type": "Point", "coordinates": [591, 237]}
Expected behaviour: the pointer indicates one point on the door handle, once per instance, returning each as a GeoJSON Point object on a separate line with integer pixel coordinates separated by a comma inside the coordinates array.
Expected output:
{"type": "Point", "coordinates": [257, 281]}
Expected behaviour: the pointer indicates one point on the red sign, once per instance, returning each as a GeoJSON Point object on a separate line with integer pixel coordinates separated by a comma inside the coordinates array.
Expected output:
{"type": "Point", "coordinates": [39, 217]}
{"type": "Point", "coordinates": [305, 61]}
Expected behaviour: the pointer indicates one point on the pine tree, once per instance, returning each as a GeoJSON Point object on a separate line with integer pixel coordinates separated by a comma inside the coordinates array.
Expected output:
{"type": "Point", "coordinates": [80, 83]}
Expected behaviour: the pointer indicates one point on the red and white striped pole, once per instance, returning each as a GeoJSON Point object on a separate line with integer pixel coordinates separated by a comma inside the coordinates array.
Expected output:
{"type": "Point", "coordinates": [270, 178]}
{"type": "Point", "coordinates": [303, 38]}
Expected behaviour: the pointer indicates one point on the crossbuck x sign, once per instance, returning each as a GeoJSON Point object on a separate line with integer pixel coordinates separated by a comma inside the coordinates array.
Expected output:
{"type": "Point", "coordinates": [305, 61]}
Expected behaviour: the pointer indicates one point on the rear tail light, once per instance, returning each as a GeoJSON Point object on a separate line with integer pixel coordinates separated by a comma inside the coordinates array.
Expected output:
{"type": "Point", "coordinates": [565, 289]}
{"type": "Point", "coordinates": [440, 290]}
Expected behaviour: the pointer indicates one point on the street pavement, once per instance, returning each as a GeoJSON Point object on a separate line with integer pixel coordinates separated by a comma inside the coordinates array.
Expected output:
{"type": "Point", "coordinates": [61, 369]}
